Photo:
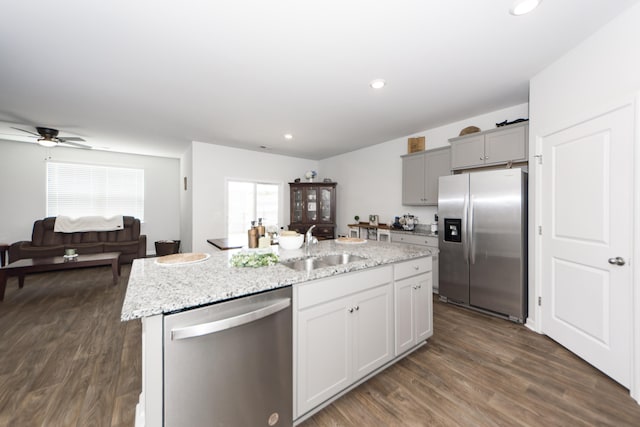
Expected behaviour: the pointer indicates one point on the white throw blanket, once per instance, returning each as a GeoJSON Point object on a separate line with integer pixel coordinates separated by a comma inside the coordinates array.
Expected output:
{"type": "Point", "coordinates": [67, 224]}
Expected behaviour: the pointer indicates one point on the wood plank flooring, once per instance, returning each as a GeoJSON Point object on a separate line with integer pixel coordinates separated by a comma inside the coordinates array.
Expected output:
{"type": "Point", "coordinates": [482, 371]}
{"type": "Point", "coordinates": [67, 360]}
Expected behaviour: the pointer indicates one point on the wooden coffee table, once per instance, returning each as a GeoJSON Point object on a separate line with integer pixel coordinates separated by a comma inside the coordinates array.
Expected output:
{"type": "Point", "coordinates": [38, 265]}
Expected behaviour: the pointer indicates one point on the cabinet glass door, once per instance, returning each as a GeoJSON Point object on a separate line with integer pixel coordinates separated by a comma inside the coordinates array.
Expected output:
{"type": "Point", "coordinates": [312, 204]}
{"type": "Point", "coordinates": [296, 205]}
{"type": "Point", "coordinates": [325, 204]}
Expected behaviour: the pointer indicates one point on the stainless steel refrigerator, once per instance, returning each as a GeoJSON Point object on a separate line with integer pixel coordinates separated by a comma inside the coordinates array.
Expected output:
{"type": "Point", "coordinates": [482, 233]}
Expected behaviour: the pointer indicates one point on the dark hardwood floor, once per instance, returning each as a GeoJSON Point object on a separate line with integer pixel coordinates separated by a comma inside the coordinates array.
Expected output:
{"type": "Point", "coordinates": [67, 360]}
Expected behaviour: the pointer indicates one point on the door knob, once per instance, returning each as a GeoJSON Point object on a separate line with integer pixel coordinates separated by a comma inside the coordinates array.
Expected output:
{"type": "Point", "coordinates": [616, 261]}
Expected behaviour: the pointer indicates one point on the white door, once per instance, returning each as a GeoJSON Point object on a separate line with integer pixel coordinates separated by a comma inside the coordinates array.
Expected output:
{"type": "Point", "coordinates": [324, 352]}
{"type": "Point", "coordinates": [424, 307]}
{"type": "Point", "coordinates": [587, 202]}
{"type": "Point", "coordinates": [372, 333]}
{"type": "Point", "coordinates": [404, 314]}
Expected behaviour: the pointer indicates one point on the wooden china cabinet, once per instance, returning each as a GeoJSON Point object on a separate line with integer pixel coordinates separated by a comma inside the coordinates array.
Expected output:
{"type": "Point", "coordinates": [313, 203]}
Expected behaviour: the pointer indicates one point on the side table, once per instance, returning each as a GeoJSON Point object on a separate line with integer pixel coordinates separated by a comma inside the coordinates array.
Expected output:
{"type": "Point", "coordinates": [3, 252]}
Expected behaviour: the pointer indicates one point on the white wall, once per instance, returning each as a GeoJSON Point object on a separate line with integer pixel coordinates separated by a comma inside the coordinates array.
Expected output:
{"type": "Point", "coordinates": [585, 82]}
{"type": "Point", "coordinates": [603, 68]}
{"type": "Point", "coordinates": [186, 200]}
{"type": "Point", "coordinates": [213, 164]}
{"type": "Point", "coordinates": [370, 179]}
{"type": "Point", "coordinates": [23, 188]}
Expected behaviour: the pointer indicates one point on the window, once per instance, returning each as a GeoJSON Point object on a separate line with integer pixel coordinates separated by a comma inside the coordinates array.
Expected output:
{"type": "Point", "coordinates": [247, 201]}
{"type": "Point", "coordinates": [81, 190]}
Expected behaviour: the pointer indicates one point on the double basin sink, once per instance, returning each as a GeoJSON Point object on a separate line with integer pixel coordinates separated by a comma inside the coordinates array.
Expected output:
{"type": "Point", "coordinates": [311, 263]}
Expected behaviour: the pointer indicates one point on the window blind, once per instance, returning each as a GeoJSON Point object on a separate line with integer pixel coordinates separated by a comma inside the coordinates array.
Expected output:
{"type": "Point", "coordinates": [82, 190]}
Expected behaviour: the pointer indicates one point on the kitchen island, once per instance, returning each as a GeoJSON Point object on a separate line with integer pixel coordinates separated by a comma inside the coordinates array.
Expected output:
{"type": "Point", "coordinates": [392, 279]}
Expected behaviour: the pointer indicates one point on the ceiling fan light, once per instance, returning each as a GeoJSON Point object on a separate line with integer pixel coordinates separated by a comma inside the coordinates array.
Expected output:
{"type": "Point", "coordinates": [47, 142]}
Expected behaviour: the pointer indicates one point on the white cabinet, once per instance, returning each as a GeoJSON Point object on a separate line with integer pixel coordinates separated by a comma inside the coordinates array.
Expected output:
{"type": "Point", "coordinates": [420, 173]}
{"type": "Point", "coordinates": [492, 147]}
{"type": "Point", "coordinates": [413, 311]}
{"type": "Point", "coordinates": [344, 331]}
{"type": "Point", "coordinates": [420, 240]}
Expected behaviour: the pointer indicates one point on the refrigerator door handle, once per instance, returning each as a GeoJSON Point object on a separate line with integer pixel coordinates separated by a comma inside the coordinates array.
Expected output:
{"type": "Point", "coordinates": [465, 242]}
{"type": "Point", "coordinates": [472, 252]}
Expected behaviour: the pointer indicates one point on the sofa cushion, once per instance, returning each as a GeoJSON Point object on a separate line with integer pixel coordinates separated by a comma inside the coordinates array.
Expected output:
{"type": "Point", "coordinates": [124, 247]}
{"type": "Point", "coordinates": [87, 248]}
{"type": "Point", "coordinates": [29, 251]}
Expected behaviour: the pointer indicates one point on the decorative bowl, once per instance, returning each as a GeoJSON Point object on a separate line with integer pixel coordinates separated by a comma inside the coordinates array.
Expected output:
{"type": "Point", "coordinates": [291, 242]}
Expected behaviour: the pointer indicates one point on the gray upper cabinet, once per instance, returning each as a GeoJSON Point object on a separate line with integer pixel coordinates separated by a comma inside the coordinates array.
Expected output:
{"type": "Point", "coordinates": [492, 147]}
{"type": "Point", "coordinates": [420, 173]}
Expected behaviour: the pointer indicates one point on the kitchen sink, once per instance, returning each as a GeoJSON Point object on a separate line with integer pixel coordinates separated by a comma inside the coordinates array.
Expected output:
{"type": "Point", "coordinates": [308, 264]}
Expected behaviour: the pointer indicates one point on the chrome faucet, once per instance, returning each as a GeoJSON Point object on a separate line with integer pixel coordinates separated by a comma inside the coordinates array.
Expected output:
{"type": "Point", "coordinates": [309, 239]}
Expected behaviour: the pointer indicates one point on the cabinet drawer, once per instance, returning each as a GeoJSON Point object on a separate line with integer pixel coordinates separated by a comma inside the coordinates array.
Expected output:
{"type": "Point", "coordinates": [413, 239]}
{"type": "Point", "coordinates": [324, 231]}
{"type": "Point", "coordinates": [323, 290]}
{"type": "Point", "coordinates": [411, 268]}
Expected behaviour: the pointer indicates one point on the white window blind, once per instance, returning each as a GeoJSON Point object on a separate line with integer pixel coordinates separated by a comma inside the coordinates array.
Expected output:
{"type": "Point", "coordinates": [82, 190]}
{"type": "Point", "coordinates": [247, 201]}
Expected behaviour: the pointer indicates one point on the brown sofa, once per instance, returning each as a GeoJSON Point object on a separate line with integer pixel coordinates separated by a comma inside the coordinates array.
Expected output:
{"type": "Point", "coordinates": [46, 243]}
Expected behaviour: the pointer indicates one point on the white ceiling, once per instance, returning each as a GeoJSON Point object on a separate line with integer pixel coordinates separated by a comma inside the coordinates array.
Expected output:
{"type": "Point", "coordinates": [150, 76]}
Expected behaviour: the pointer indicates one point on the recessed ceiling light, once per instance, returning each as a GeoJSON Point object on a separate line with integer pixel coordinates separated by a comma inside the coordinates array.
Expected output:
{"type": "Point", "coordinates": [521, 7]}
{"type": "Point", "coordinates": [288, 136]}
{"type": "Point", "coordinates": [377, 83]}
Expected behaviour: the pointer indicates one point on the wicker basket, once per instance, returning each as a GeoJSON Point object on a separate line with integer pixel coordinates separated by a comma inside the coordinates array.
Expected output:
{"type": "Point", "coordinates": [167, 247]}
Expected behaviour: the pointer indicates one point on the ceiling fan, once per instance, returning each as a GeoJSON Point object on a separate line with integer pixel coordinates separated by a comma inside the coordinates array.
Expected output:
{"type": "Point", "coordinates": [48, 137]}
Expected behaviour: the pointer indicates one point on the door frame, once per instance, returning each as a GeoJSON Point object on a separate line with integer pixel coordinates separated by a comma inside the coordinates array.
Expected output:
{"type": "Point", "coordinates": [535, 211]}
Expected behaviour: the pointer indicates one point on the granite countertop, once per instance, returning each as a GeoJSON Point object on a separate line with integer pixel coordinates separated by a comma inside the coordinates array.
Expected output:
{"type": "Point", "coordinates": [156, 289]}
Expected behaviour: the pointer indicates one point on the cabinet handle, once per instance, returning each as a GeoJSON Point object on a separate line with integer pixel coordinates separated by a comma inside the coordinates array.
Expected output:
{"type": "Point", "coordinates": [416, 267]}
{"type": "Point", "coordinates": [481, 158]}
{"type": "Point", "coordinates": [357, 307]}
{"type": "Point", "coordinates": [351, 310]}
{"type": "Point", "coordinates": [486, 157]}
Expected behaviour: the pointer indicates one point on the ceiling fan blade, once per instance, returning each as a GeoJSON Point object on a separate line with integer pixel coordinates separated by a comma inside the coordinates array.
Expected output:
{"type": "Point", "coordinates": [74, 144]}
{"type": "Point", "coordinates": [27, 131]}
{"type": "Point", "coordinates": [70, 138]}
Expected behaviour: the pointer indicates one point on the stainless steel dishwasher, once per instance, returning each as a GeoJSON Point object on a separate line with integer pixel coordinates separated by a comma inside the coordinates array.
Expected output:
{"type": "Point", "coordinates": [230, 364]}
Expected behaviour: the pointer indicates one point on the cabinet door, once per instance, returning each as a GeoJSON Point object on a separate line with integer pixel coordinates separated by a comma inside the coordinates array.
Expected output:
{"type": "Point", "coordinates": [437, 164]}
{"type": "Point", "coordinates": [297, 206]}
{"type": "Point", "coordinates": [413, 180]}
{"type": "Point", "coordinates": [404, 315]}
{"type": "Point", "coordinates": [506, 145]}
{"type": "Point", "coordinates": [423, 309]}
{"type": "Point", "coordinates": [311, 204]}
{"type": "Point", "coordinates": [326, 209]}
{"type": "Point", "coordinates": [372, 330]}
{"type": "Point", "coordinates": [467, 152]}
{"type": "Point", "coordinates": [324, 352]}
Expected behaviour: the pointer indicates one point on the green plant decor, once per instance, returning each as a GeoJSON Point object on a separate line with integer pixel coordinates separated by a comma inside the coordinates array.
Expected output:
{"type": "Point", "coordinates": [243, 259]}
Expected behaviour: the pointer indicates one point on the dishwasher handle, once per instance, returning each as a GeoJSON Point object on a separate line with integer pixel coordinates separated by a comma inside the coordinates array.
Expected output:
{"type": "Point", "coordinates": [230, 322]}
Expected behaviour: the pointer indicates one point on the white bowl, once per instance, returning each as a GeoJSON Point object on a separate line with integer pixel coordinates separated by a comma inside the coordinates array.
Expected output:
{"type": "Point", "coordinates": [291, 242]}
